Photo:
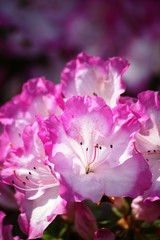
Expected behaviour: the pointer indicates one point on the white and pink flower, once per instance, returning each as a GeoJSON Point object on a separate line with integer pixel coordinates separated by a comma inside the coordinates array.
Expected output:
{"type": "Point", "coordinates": [89, 143]}
{"type": "Point", "coordinates": [26, 169]}
{"type": "Point", "coordinates": [92, 154]}
{"type": "Point", "coordinates": [147, 140]}
{"type": "Point", "coordinates": [39, 97]}
{"type": "Point", "coordinates": [92, 76]}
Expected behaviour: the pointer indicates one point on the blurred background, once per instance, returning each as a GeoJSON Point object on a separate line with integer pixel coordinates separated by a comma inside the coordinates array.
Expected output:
{"type": "Point", "coordinates": [38, 37]}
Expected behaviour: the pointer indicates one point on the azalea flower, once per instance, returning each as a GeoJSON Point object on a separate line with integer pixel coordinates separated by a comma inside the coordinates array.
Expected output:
{"type": "Point", "coordinates": [38, 97]}
{"type": "Point", "coordinates": [92, 76]}
{"type": "Point", "coordinates": [79, 140]}
{"type": "Point", "coordinates": [147, 140]}
{"type": "Point", "coordinates": [92, 154]}
{"type": "Point", "coordinates": [26, 169]}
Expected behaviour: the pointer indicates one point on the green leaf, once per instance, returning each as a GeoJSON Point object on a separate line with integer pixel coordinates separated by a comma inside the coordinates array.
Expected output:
{"type": "Point", "coordinates": [117, 212]}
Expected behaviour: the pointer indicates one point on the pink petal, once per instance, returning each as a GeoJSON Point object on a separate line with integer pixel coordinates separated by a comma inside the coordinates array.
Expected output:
{"type": "Point", "coordinates": [88, 75]}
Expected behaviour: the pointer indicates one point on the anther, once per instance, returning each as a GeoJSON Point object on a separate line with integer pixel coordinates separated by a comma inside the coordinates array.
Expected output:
{"type": "Point", "coordinates": [80, 143]}
{"type": "Point", "coordinates": [63, 96]}
{"type": "Point", "coordinates": [30, 173]}
{"type": "Point", "coordinates": [111, 146]}
{"type": "Point", "coordinates": [34, 168]}
{"type": "Point", "coordinates": [12, 181]}
{"type": "Point", "coordinates": [87, 170]}
{"type": "Point", "coordinates": [94, 94]}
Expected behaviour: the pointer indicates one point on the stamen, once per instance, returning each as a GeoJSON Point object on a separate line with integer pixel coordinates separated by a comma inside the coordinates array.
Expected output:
{"type": "Point", "coordinates": [40, 183]}
{"type": "Point", "coordinates": [94, 154]}
{"type": "Point", "coordinates": [135, 148]}
{"type": "Point", "coordinates": [32, 185]}
{"type": "Point", "coordinates": [89, 158]}
{"type": "Point", "coordinates": [148, 153]}
{"type": "Point", "coordinates": [85, 155]}
{"type": "Point", "coordinates": [95, 150]}
{"type": "Point", "coordinates": [19, 179]}
{"type": "Point", "coordinates": [28, 189]}
{"type": "Point", "coordinates": [45, 172]}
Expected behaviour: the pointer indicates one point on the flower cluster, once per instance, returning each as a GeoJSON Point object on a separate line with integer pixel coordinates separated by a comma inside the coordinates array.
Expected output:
{"type": "Point", "coordinates": [79, 140]}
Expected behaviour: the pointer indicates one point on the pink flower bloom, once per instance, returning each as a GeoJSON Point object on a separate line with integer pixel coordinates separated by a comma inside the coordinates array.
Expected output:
{"type": "Point", "coordinates": [145, 210]}
{"type": "Point", "coordinates": [88, 75]}
{"type": "Point", "coordinates": [93, 155]}
{"type": "Point", "coordinates": [38, 97]}
{"type": "Point", "coordinates": [104, 234]}
{"type": "Point", "coordinates": [147, 140]}
{"type": "Point", "coordinates": [26, 169]}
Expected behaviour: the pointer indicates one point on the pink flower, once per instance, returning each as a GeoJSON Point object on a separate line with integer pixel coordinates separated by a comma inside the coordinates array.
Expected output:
{"type": "Point", "coordinates": [26, 169]}
{"type": "Point", "coordinates": [145, 210]}
{"type": "Point", "coordinates": [92, 154]}
{"type": "Point", "coordinates": [147, 140]}
{"type": "Point", "coordinates": [88, 75]}
{"type": "Point", "coordinates": [38, 97]}
{"type": "Point", "coordinates": [23, 161]}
